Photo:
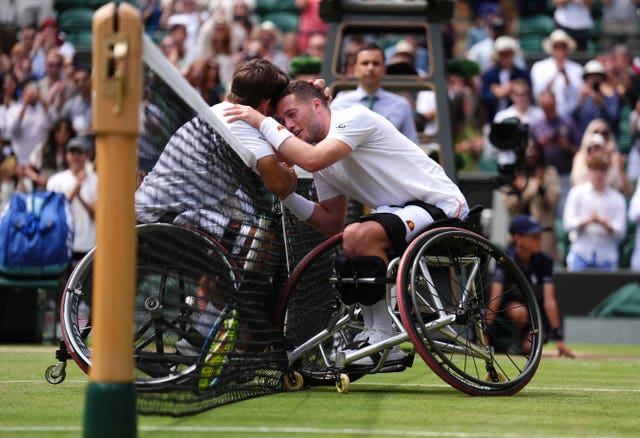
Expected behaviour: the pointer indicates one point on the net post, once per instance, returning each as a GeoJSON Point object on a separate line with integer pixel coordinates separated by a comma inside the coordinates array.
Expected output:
{"type": "Point", "coordinates": [110, 404]}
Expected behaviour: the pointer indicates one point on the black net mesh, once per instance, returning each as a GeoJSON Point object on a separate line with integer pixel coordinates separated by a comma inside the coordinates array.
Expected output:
{"type": "Point", "coordinates": [212, 259]}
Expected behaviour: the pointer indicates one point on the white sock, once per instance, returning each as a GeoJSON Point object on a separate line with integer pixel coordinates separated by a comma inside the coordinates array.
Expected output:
{"type": "Point", "coordinates": [382, 321]}
{"type": "Point", "coordinates": [367, 316]}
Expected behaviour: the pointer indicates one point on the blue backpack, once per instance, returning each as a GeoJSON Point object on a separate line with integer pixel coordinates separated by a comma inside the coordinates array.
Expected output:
{"type": "Point", "coordinates": [36, 234]}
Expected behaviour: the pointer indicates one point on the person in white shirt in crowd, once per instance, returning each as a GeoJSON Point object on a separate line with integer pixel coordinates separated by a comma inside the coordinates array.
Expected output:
{"type": "Point", "coordinates": [634, 217]}
{"type": "Point", "coordinates": [595, 216]}
{"type": "Point", "coordinates": [217, 41]}
{"type": "Point", "coordinates": [557, 73]}
{"type": "Point", "coordinates": [521, 107]}
{"type": "Point", "coordinates": [270, 37]}
{"type": "Point", "coordinates": [48, 38]}
{"type": "Point", "coordinates": [482, 52]}
{"type": "Point", "coordinates": [79, 183]}
{"type": "Point", "coordinates": [633, 160]}
{"type": "Point", "coordinates": [598, 139]}
{"type": "Point", "coordinates": [78, 108]}
{"type": "Point", "coordinates": [27, 124]}
{"type": "Point", "coordinates": [54, 87]}
{"type": "Point", "coordinates": [574, 17]}
{"type": "Point", "coordinates": [185, 13]}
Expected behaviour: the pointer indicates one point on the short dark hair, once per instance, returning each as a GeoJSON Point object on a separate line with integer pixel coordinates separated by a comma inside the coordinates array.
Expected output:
{"type": "Point", "coordinates": [371, 46]}
{"type": "Point", "coordinates": [256, 80]}
{"type": "Point", "coordinates": [302, 90]}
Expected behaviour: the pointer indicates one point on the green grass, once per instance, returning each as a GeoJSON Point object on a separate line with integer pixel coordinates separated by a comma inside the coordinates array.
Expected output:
{"type": "Point", "coordinates": [595, 395]}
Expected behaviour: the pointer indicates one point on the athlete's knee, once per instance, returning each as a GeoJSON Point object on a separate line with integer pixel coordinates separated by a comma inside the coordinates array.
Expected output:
{"type": "Point", "coordinates": [363, 238]}
{"type": "Point", "coordinates": [350, 240]}
{"type": "Point", "coordinates": [369, 267]}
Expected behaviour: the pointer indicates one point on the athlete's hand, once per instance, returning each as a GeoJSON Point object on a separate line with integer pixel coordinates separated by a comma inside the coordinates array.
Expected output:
{"type": "Point", "coordinates": [244, 113]}
{"type": "Point", "coordinates": [563, 350]}
{"type": "Point", "coordinates": [320, 85]}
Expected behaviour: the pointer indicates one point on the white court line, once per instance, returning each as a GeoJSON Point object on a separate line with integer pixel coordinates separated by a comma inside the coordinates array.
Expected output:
{"type": "Point", "coordinates": [397, 385]}
{"type": "Point", "coordinates": [526, 388]}
{"type": "Point", "coordinates": [298, 431]}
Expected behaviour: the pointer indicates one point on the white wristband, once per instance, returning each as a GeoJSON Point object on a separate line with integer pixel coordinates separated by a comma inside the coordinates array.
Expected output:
{"type": "Point", "coordinates": [274, 132]}
{"type": "Point", "coordinates": [300, 206]}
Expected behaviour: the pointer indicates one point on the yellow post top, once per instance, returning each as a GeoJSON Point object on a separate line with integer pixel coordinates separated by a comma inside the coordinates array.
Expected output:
{"type": "Point", "coordinates": [117, 69]}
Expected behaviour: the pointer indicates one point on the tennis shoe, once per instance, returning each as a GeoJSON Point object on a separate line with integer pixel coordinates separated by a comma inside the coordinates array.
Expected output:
{"type": "Point", "coordinates": [370, 337]}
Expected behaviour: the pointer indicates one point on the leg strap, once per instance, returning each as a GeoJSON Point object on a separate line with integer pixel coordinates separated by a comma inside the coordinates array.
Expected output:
{"type": "Point", "coordinates": [360, 267]}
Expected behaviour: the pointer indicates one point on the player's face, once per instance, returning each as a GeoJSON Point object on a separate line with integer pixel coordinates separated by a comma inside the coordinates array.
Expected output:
{"type": "Point", "coordinates": [370, 67]}
{"type": "Point", "coordinates": [301, 118]}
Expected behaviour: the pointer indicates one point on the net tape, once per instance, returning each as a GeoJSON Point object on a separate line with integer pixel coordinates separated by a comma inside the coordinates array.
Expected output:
{"type": "Point", "coordinates": [206, 290]}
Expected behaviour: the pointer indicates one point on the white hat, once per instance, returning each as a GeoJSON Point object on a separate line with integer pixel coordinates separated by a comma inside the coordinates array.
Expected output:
{"type": "Point", "coordinates": [178, 20]}
{"type": "Point", "coordinates": [594, 67]}
{"type": "Point", "coordinates": [558, 36]}
{"type": "Point", "coordinates": [405, 46]}
{"type": "Point", "coordinates": [596, 138]}
{"type": "Point", "coordinates": [505, 43]}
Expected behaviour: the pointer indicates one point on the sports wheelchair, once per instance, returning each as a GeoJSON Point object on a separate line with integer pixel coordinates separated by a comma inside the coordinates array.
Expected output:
{"type": "Point", "coordinates": [437, 294]}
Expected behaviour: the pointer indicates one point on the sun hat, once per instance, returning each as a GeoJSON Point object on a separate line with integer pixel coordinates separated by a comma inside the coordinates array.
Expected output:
{"type": "Point", "coordinates": [596, 139]}
{"type": "Point", "coordinates": [558, 36]}
{"type": "Point", "coordinates": [505, 43]}
{"type": "Point", "coordinates": [405, 46]}
{"type": "Point", "coordinates": [594, 67]}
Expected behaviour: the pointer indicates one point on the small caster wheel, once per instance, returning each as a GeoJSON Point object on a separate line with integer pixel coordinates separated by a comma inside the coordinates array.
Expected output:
{"type": "Point", "coordinates": [54, 376]}
{"type": "Point", "coordinates": [495, 376]}
{"type": "Point", "coordinates": [293, 381]}
{"type": "Point", "coordinates": [342, 383]}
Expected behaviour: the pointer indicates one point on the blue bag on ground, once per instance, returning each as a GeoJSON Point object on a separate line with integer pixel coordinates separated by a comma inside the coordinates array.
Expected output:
{"type": "Point", "coordinates": [36, 234]}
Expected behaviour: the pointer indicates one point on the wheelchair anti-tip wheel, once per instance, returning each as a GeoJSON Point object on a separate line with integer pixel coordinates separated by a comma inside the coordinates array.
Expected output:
{"type": "Point", "coordinates": [55, 374]}
{"type": "Point", "coordinates": [343, 383]}
{"type": "Point", "coordinates": [171, 264]}
{"type": "Point", "coordinates": [293, 381]}
{"type": "Point", "coordinates": [444, 290]}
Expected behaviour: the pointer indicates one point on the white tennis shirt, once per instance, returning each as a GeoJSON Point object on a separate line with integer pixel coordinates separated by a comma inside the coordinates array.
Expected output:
{"type": "Point", "coordinates": [385, 167]}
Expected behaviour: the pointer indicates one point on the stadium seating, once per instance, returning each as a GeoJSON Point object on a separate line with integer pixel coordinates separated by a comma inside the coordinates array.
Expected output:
{"type": "Point", "coordinates": [62, 5]}
{"type": "Point", "coordinates": [81, 40]}
{"type": "Point", "coordinates": [76, 19]}
{"type": "Point", "coordinates": [533, 30]}
{"type": "Point", "coordinates": [285, 21]}
{"type": "Point", "coordinates": [536, 25]}
{"type": "Point", "coordinates": [264, 7]}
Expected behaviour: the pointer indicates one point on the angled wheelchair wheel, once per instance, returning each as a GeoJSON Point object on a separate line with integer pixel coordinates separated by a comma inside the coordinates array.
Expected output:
{"type": "Point", "coordinates": [462, 332]}
{"type": "Point", "coordinates": [172, 264]}
{"type": "Point", "coordinates": [309, 304]}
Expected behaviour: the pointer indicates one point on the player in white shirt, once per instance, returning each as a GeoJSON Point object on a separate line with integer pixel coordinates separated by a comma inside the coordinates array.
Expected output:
{"type": "Point", "coordinates": [359, 155]}
{"type": "Point", "coordinates": [185, 183]}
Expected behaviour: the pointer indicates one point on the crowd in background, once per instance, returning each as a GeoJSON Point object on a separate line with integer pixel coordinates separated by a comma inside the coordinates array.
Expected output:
{"type": "Point", "coordinates": [580, 165]}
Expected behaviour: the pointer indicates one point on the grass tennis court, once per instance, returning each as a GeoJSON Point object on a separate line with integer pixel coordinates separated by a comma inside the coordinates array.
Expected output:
{"type": "Point", "coordinates": [596, 395]}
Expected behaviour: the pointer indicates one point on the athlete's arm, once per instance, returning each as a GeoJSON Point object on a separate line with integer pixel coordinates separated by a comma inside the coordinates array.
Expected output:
{"type": "Point", "coordinates": [328, 216]}
{"type": "Point", "coordinates": [277, 177]}
{"type": "Point", "coordinates": [311, 158]}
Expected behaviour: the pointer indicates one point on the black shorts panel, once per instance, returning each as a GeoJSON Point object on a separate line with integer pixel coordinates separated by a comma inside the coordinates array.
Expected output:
{"type": "Point", "coordinates": [393, 226]}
